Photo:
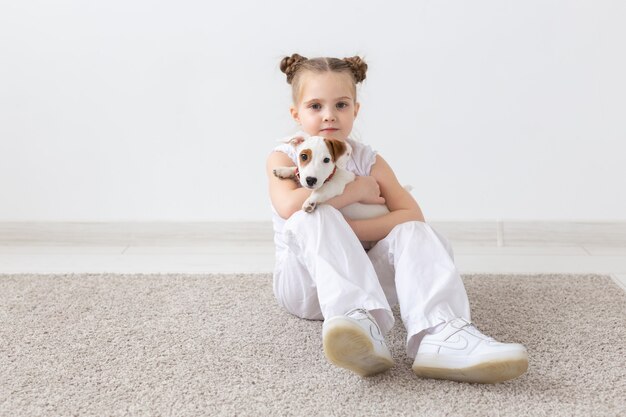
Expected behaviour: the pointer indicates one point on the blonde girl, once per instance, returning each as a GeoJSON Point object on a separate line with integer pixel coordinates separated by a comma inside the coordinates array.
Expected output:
{"type": "Point", "coordinates": [324, 270]}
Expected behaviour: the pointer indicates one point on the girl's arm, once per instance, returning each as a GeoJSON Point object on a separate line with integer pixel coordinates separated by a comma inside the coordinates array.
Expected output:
{"type": "Point", "coordinates": [287, 196]}
{"type": "Point", "coordinates": [402, 206]}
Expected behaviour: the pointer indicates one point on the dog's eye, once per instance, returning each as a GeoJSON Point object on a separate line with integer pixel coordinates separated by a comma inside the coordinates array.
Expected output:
{"type": "Point", "coordinates": [326, 160]}
{"type": "Point", "coordinates": [304, 157]}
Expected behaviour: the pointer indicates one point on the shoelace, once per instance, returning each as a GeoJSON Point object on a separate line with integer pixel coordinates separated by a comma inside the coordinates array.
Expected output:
{"type": "Point", "coordinates": [474, 330]}
{"type": "Point", "coordinates": [357, 310]}
{"type": "Point", "coordinates": [367, 315]}
{"type": "Point", "coordinates": [470, 327]}
{"type": "Point", "coordinates": [467, 323]}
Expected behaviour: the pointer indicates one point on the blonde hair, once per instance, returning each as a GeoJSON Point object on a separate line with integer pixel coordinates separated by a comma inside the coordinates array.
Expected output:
{"type": "Point", "coordinates": [296, 65]}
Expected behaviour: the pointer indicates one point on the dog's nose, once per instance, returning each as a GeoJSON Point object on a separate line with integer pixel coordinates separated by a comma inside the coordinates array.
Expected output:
{"type": "Point", "coordinates": [311, 181]}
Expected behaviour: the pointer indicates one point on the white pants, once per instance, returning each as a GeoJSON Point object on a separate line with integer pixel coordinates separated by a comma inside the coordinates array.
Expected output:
{"type": "Point", "coordinates": [323, 271]}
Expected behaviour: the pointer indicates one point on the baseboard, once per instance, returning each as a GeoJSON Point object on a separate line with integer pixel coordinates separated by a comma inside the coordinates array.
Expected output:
{"type": "Point", "coordinates": [496, 233]}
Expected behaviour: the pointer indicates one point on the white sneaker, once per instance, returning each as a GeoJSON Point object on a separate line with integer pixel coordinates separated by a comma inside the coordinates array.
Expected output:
{"type": "Point", "coordinates": [354, 341]}
{"type": "Point", "coordinates": [460, 352]}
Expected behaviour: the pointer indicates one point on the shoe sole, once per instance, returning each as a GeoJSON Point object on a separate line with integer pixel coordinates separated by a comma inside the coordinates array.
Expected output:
{"type": "Point", "coordinates": [487, 372]}
{"type": "Point", "coordinates": [347, 345]}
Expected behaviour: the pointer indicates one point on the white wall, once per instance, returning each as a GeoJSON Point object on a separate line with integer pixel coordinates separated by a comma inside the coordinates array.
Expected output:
{"type": "Point", "coordinates": [141, 110]}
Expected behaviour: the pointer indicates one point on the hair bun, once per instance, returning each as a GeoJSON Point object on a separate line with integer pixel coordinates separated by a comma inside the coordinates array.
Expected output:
{"type": "Point", "coordinates": [358, 67]}
{"type": "Point", "coordinates": [289, 65]}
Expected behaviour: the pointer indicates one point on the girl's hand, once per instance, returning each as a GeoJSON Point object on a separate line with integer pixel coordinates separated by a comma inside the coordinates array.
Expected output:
{"type": "Point", "coordinates": [368, 190]}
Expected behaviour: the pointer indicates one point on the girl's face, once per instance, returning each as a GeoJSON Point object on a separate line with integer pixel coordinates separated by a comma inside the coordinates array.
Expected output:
{"type": "Point", "coordinates": [326, 105]}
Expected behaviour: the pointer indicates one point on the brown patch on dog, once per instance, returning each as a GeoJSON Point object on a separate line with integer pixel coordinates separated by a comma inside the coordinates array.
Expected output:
{"type": "Point", "coordinates": [296, 140]}
{"type": "Point", "coordinates": [336, 148]}
{"type": "Point", "coordinates": [305, 162]}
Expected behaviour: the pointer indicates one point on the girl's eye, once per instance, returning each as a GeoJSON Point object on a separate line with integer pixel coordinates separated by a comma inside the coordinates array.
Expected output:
{"type": "Point", "coordinates": [326, 160]}
{"type": "Point", "coordinates": [342, 105]}
{"type": "Point", "coordinates": [316, 106]}
{"type": "Point", "coordinates": [304, 157]}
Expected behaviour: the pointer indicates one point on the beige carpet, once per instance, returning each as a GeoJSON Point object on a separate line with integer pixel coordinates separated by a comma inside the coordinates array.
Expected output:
{"type": "Point", "coordinates": [219, 345]}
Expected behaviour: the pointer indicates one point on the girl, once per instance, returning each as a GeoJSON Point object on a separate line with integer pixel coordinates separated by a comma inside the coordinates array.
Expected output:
{"type": "Point", "coordinates": [323, 271]}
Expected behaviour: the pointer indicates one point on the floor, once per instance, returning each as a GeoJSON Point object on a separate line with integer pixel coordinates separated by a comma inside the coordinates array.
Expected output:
{"type": "Point", "coordinates": [480, 247]}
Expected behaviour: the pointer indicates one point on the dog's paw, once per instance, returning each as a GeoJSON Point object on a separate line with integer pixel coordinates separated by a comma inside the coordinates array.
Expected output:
{"type": "Point", "coordinates": [284, 173]}
{"type": "Point", "coordinates": [309, 206]}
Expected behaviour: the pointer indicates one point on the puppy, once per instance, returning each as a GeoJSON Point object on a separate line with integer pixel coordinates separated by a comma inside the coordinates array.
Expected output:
{"type": "Point", "coordinates": [321, 168]}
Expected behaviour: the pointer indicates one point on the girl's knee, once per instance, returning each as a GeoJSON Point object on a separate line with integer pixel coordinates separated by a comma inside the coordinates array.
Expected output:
{"type": "Point", "coordinates": [428, 232]}
{"type": "Point", "coordinates": [409, 226]}
{"type": "Point", "coordinates": [322, 210]}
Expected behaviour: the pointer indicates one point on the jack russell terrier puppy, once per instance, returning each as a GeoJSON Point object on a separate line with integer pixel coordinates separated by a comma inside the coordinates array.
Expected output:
{"type": "Point", "coordinates": [321, 168]}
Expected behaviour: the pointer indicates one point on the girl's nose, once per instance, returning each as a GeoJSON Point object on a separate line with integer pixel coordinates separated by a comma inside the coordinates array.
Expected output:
{"type": "Point", "coordinates": [329, 117]}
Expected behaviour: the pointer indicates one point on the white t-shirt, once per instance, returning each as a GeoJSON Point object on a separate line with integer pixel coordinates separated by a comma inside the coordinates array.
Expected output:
{"type": "Point", "coordinates": [360, 163]}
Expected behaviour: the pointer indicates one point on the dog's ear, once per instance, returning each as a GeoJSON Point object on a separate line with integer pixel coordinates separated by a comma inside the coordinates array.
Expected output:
{"type": "Point", "coordinates": [336, 147]}
{"type": "Point", "coordinates": [296, 140]}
